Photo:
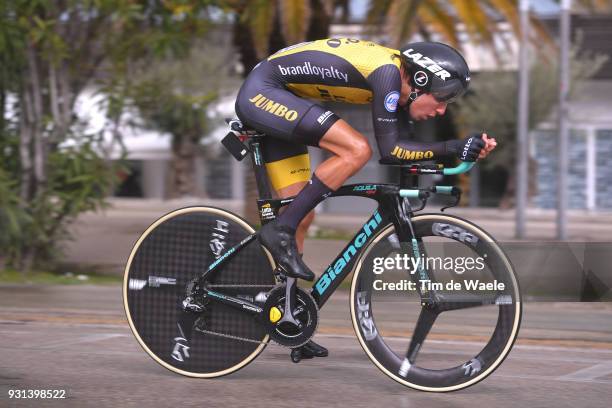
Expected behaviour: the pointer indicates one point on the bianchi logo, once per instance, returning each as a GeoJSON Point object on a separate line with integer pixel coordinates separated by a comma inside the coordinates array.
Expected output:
{"type": "Point", "coordinates": [309, 69]}
{"type": "Point", "coordinates": [391, 101]}
{"type": "Point", "coordinates": [341, 262]}
{"type": "Point", "coordinates": [421, 78]}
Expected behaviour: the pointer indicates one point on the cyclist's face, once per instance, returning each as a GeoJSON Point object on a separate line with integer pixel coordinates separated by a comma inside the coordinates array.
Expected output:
{"type": "Point", "coordinates": [426, 107]}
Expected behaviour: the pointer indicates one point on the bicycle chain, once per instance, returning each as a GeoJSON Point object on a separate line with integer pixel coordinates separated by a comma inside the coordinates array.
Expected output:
{"type": "Point", "coordinates": [229, 285]}
{"type": "Point", "coordinates": [233, 337]}
{"type": "Point", "coordinates": [229, 336]}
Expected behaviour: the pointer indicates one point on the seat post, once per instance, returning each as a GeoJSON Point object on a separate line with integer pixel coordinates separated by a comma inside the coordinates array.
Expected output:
{"type": "Point", "coordinates": [261, 175]}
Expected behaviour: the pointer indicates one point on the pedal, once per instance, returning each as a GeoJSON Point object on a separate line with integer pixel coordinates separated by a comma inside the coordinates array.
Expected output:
{"type": "Point", "coordinates": [280, 274]}
{"type": "Point", "coordinates": [296, 355]}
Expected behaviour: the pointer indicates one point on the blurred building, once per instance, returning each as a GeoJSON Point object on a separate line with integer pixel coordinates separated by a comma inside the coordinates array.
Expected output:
{"type": "Point", "coordinates": [590, 121]}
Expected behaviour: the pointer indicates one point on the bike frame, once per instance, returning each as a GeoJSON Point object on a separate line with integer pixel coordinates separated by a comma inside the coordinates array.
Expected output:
{"type": "Point", "coordinates": [393, 208]}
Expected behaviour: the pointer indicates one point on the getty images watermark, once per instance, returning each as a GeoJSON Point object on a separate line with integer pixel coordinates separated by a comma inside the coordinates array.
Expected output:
{"type": "Point", "coordinates": [412, 265]}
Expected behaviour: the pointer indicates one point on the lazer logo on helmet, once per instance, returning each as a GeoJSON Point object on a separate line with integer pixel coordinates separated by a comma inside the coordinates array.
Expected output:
{"type": "Point", "coordinates": [421, 78]}
{"type": "Point", "coordinates": [427, 63]}
{"type": "Point", "coordinates": [350, 251]}
{"type": "Point", "coordinates": [275, 108]}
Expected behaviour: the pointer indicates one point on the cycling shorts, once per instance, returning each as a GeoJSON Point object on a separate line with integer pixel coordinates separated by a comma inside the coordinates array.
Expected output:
{"type": "Point", "coordinates": [291, 123]}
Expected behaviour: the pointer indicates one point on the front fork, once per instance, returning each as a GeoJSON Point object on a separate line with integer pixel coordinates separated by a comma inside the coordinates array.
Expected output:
{"type": "Point", "coordinates": [406, 235]}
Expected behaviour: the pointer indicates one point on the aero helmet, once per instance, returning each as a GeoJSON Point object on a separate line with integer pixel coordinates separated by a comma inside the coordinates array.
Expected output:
{"type": "Point", "coordinates": [437, 69]}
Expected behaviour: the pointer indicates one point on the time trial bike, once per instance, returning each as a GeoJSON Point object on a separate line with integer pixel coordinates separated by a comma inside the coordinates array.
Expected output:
{"type": "Point", "coordinates": [203, 298]}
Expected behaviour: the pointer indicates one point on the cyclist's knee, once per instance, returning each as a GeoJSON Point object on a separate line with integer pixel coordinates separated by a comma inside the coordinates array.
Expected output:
{"type": "Point", "coordinates": [358, 152]}
{"type": "Point", "coordinates": [363, 152]}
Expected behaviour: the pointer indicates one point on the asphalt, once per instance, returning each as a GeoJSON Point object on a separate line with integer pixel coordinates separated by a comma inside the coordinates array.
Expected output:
{"type": "Point", "coordinates": [76, 339]}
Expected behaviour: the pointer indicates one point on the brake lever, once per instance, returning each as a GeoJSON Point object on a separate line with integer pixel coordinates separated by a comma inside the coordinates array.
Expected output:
{"type": "Point", "coordinates": [423, 204]}
{"type": "Point", "coordinates": [456, 203]}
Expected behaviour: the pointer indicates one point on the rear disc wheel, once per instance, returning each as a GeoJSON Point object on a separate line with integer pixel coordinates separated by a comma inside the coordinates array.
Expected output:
{"type": "Point", "coordinates": [168, 255]}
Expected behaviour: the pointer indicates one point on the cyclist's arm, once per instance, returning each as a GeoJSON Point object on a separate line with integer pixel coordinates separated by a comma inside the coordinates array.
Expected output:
{"type": "Point", "coordinates": [386, 85]}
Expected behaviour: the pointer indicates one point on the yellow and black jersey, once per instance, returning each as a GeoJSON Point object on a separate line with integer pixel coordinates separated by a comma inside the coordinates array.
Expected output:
{"type": "Point", "coordinates": [337, 69]}
{"type": "Point", "coordinates": [344, 70]}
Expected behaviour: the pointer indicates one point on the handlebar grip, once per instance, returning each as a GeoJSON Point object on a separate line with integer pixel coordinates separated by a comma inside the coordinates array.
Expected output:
{"type": "Point", "coordinates": [463, 167]}
{"type": "Point", "coordinates": [414, 193]}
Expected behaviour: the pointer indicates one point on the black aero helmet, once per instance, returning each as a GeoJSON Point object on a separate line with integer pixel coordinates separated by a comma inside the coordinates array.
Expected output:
{"type": "Point", "coordinates": [437, 69]}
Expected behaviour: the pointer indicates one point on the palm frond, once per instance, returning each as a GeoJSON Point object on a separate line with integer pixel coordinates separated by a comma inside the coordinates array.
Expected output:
{"type": "Point", "coordinates": [260, 17]}
{"type": "Point", "coordinates": [478, 25]}
{"type": "Point", "coordinates": [401, 17]}
{"type": "Point", "coordinates": [434, 17]}
{"type": "Point", "coordinates": [294, 18]}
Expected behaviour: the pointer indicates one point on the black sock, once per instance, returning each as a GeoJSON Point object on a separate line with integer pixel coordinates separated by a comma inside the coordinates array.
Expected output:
{"type": "Point", "coordinates": [313, 193]}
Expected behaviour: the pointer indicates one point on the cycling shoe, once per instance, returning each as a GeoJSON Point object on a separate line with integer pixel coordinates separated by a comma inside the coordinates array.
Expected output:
{"type": "Point", "coordinates": [280, 241]}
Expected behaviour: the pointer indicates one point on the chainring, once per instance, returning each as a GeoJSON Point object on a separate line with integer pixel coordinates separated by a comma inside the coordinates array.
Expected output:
{"type": "Point", "coordinates": [306, 312]}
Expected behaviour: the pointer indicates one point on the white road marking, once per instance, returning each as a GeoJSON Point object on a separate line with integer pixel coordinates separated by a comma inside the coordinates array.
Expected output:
{"type": "Point", "coordinates": [590, 373]}
{"type": "Point", "coordinates": [365, 365]}
{"type": "Point", "coordinates": [547, 378]}
{"type": "Point", "coordinates": [472, 343]}
{"type": "Point", "coordinates": [79, 340]}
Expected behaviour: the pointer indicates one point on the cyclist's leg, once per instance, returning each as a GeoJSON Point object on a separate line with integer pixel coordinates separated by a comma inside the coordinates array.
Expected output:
{"type": "Point", "coordinates": [302, 229]}
{"type": "Point", "coordinates": [288, 167]}
{"type": "Point", "coordinates": [351, 152]}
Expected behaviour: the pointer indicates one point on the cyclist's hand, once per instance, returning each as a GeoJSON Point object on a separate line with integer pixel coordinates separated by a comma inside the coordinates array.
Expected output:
{"type": "Point", "coordinates": [490, 144]}
{"type": "Point", "coordinates": [470, 148]}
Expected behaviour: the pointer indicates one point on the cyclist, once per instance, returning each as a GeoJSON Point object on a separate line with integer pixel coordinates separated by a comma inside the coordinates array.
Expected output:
{"type": "Point", "coordinates": [421, 79]}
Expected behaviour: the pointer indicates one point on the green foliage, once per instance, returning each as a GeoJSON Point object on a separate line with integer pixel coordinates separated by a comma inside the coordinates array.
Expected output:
{"type": "Point", "coordinates": [50, 51]}
{"type": "Point", "coordinates": [12, 218]}
{"type": "Point", "coordinates": [12, 213]}
{"type": "Point", "coordinates": [50, 278]}
{"type": "Point", "coordinates": [172, 95]}
{"type": "Point", "coordinates": [79, 180]}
